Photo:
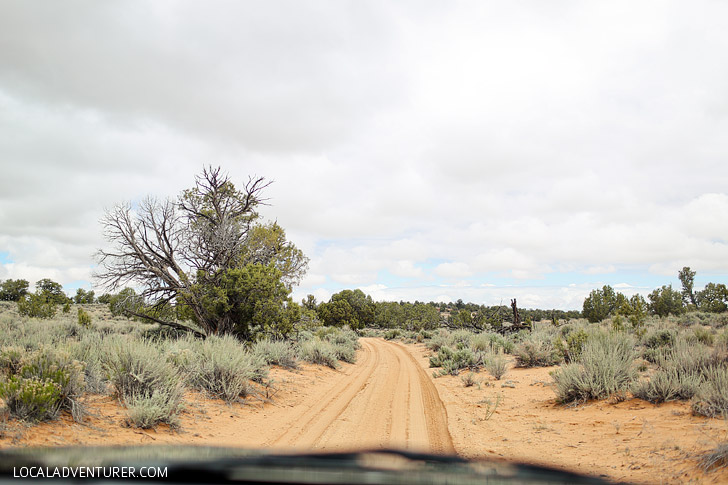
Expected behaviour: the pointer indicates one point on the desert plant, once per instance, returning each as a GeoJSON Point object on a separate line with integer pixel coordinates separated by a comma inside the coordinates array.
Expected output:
{"type": "Point", "coordinates": [322, 352]}
{"type": "Point", "coordinates": [490, 342]}
{"type": "Point", "coordinates": [712, 398]}
{"type": "Point", "coordinates": [276, 352]}
{"type": "Point", "coordinates": [11, 360]}
{"type": "Point", "coordinates": [667, 385]}
{"type": "Point", "coordinates": [221, 367]}
{"type": "Point", "coordinates": [604, 369]}
{"type": "Point", "coordinates": [31, 399]}
{"type": "Point", "coordinates": [84, 319]}
{"type": "Point", "coordinates": [569, 348]}
{"type": "Point", "coordinates": [535, 353]}
{"type": "Point", "coordinates": [162, 406]}
{"type": "Point", "coordinates": [90, 350]}
{"type": "Point", "coordinates": [469, 380]}
{"type": "Point", "coordinates": [46, 382]}
{"type": "Point", "coordinates": [716, 458]}
{"type": "Point", "coordinates": [496, 365]}
{"type": "Point", "coordinates": [661, 337]}
{"type": "Point", "coordinates": [703, 335]}
{"type": "Point", "coordinates": [36, 306]}
{"type": "Point", "coordinates": [452, 361]}
{"type": "Point", "coordinates": [141, 379]}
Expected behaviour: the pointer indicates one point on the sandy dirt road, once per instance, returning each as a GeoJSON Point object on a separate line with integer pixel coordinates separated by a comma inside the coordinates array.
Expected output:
{"type": "Point", "coordinates": [385, 401]}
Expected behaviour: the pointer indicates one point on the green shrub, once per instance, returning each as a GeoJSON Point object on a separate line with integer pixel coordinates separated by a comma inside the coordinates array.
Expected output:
{"type": "Point", "coordinates": [490, 342]}
{"type": "Point", "coordinates": [221, 367]}
{"type": "Point", "coordinates": [84, 319]}
{"type": "Point", "coordinates": [162, 406]}
{"type": "Point", "coordinates": [603, 370]}
{"type": "Point", "coordinates": [535, 353]}
{"type": "Point", "coordinates": [276, 352]}
{"type": "Point", "coordinates": [703, 335]}
{"type": "Point", "coordinates": [320, 352]}
{"type": "Point", "coordinates": [344, 341]}
{"type": "Point", "coordinates": [686, 357]}
{"type": "Point", "coordinates": [90, 350]}
{"type": "Point", "coordinates": [668, 385]}
{"type": "Point", "coordinates": [569, 348]}
{"type": "Point", "coordinates": [11, 359]}
{"type": "Point", "coordinates": [142, 378]}
{"type": "Point", "coordinates": [31, 399]}
{"type": "Point", "coordinates": [712, 397]}
{"type": "Point", "coordinates": [460, 338]}
{"type": "Point", "coordinates": [43, 383]}
{"type": "Point", "coordinates": [660, 338]}
{"type": "Point", "coordinates": [36, 306]}
{"type": "Point", "coordinates": [345, 353]}
{"type": "Point", "coordinates": [392, 334]}
{"type": "Point", "coordinates": [438, 340]}
{"type": "Point", "coordinates": [452, 361]}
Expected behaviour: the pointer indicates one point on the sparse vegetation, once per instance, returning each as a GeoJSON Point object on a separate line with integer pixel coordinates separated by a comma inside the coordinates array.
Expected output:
{"type": "Point", "coordinates": [219, 366]}
{"type": "Point", "coordinates": [716, 458]}
{"type": "Point", "coordinates": [41, 383]}
{"type": "Point", "coordinates": [712, 398]}
{"type": "Point", "coordinates": [148, 385]}
{"type": "Point", "coordinates": [536, 351]}
{"type": "Point", "coordinates": [276, 352]}
{"type": "Point", "coordinates": [604, 369]}
{"type": "Point", "coordinates": [469, 380]}
{"type": "Point", "coordinates": [496, 365]}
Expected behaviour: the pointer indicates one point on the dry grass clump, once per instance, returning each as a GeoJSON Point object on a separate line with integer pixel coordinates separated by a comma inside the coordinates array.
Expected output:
{"type": "Point", "coordinates": [496, 365]}
{"type": "Point", "coordinates": [716, 458]}
{"type": "Point", "coordinates": [469, 380]}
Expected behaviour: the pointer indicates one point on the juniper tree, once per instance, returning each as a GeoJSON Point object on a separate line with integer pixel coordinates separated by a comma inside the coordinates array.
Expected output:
{"type": "Point", "coordinates": [194, 252]}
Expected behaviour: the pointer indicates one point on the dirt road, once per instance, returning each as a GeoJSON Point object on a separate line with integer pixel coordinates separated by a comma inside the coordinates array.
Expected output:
{"type": "Point", "coordinates": [386, 400]}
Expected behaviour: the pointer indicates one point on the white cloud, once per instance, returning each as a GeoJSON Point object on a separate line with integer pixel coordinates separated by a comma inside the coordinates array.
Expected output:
{"type": "Point", "coordinates": [407, 269]}
{"type": "Point", "coordinates": [453, 270]}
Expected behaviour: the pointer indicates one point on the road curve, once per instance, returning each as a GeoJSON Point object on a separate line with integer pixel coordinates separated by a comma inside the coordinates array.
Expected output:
{"type": "Point", "coordinates": [386, 400]}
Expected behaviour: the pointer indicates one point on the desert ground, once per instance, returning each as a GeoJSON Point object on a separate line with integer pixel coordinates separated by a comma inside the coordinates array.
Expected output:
{"type": "Point", "coordinates": [389, 398]}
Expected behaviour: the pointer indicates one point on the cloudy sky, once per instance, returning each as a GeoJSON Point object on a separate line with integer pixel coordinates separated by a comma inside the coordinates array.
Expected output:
{"type": "Point", "coordinates": [420, 150]}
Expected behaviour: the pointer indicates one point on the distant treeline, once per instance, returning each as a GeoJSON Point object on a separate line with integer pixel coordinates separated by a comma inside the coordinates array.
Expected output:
{"type": "Point", "coordinates": [357, 310]}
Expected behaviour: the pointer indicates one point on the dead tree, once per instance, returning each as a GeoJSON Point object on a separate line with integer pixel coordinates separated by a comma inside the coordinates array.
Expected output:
{"type": "Point", "coordinates": [516, 315]}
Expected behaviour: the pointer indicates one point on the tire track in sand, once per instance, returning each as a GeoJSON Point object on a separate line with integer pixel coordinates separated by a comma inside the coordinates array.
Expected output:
{"type": "Point", "coordinates": [387, 401]}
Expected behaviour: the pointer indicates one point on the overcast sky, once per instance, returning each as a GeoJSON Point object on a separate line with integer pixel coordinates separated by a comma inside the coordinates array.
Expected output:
{"type": "Point", "coordinates": [420, 150]}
